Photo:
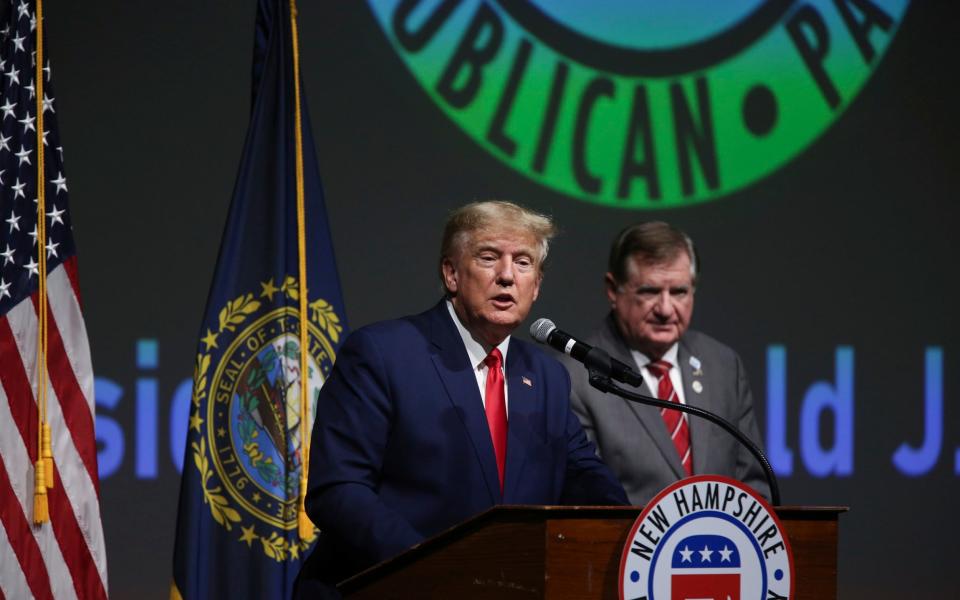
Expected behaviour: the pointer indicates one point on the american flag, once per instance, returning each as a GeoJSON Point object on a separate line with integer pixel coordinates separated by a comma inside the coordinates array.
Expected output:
{"type": "Point", "coordinates": [64, 557]}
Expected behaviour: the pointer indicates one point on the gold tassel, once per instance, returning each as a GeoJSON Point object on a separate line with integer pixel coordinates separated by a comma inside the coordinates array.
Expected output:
{"type": "Point", "coordinates": [41, 512]}
{"type": "Point", "coordinates": [304, 525]}
{"type": "Point", "coordinates": [47, 454]}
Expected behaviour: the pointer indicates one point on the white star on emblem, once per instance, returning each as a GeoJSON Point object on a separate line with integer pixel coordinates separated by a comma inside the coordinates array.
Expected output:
{"type": "Point", "coordinates": [3, 289]}
{"type": "Point", "coordinates": [8, 110]}
{"type": "Point", "coordinates": [48, 103]}
{"type": "Point", "coordinates": [725, 554]}
{"type": "Point", "coordinates": [27, 123]}
{"type": "Point", "coordinates": [13, 223]}
{"type": "Point", "coordinates": [18, 42]}
{"type": "Point", "coordinates": [13, 74]}
{"type": "Point", "coordinates": [685, 553]}
{"type": "Point", "coordinates": [7, 255]}
{"type": "Point", "coordinates": [23, 155]}
{"type": "Point", "coordinates": [60, 182]}
{"type": "Point", "coordinates": [51, 249]}
{"type": "Point", "coordinates": [18, 189]}
{"type": "Point", "coordinates": [705, 554]}
{"type": "Point", "coordinates": [31, 267]}
{"type": "Point", "coordinates": [55, 216]}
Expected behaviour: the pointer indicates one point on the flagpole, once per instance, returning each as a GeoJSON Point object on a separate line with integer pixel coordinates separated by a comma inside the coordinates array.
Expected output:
{"type": "Point", "coordinates": [304, 526]}
{"type": "Point", "coordinates": [43, 468]}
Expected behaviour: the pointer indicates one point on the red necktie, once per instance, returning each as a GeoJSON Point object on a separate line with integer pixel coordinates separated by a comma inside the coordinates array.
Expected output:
{"type": "Point", "coordinates": [675, 420]}
{"type": "Point", "coordinates": [496, 407]}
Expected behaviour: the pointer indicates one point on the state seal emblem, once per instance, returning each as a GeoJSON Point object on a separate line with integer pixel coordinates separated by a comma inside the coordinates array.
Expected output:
{"type": "Point", "coordinates": [246, 410]}
{"type": "Point", "coordinates": [707, 537]}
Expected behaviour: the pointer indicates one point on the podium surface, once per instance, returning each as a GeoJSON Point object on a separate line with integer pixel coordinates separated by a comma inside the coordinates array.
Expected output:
{"type": "Point", "coordinates": [565, 552]}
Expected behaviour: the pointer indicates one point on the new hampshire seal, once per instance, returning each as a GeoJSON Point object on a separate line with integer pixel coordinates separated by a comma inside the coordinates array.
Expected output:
{"type": "Point", "coordinates": [247, 410]}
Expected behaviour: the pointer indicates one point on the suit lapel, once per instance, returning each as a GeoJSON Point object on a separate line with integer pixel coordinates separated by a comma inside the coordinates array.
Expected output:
{"type": "Point", "coordinates": [648, 416]}
{"type": "Point", "coordinates": [696, 394]}
{"type": "Point", "coordinates": [525, 411]}
{"type": "Point", "coordinates": [458, 378]}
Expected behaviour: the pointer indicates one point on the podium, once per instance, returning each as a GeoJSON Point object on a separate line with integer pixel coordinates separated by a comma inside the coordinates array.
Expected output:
{"type": "Point", "coordinates": [556, 552]}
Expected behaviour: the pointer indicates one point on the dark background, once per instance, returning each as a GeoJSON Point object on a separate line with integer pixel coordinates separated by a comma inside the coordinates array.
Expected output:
{"type": "Point", "coordinates": [850, 244]}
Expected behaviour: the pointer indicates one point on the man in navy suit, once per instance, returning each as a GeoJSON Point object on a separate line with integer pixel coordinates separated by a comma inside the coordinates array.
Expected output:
{"type": "Point", "coordinates": [430, 419]}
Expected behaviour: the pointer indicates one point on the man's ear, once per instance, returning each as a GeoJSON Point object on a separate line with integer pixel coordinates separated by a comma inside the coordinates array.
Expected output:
{"type": "Point", "coordinates": [449, 275]}
{"type": "Point", "coordinates": [611, 286]}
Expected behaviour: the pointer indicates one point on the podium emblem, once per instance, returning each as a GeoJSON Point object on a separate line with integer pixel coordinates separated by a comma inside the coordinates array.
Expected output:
{"type": "Point", "coordinates": [707, 538]}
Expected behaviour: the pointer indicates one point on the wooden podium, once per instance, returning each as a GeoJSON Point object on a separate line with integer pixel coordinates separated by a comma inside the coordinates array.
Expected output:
{"type": "Point", "coordinates": [564, 552]}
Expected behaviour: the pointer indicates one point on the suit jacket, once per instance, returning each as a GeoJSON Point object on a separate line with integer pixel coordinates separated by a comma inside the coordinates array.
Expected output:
{"type": "Point", "coordinates": [401, 448]}
{"type": "Point", "coordinates": [633, 439]}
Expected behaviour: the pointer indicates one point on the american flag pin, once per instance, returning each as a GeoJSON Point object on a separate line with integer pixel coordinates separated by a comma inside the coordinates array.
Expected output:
{"type": "Point", "coordinates": [526, 381]}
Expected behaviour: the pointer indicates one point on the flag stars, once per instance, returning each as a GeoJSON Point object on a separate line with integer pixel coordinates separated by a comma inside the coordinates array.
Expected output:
{"type": "Point", "coordinates": [18, 43]}
{"type": "Point", "coordinates": [23, 10]}
{"type": "Point", "coordinates": [8, 110]}
{"type": "Point", "coordinates": [7, 255]}
{"type": "Point", "coordinates": [46, 70]}
{"type": "Point", "coordinates": [33, 268]}
{"type": "Point", "coordinates": [3, 142]}
{"type": "Point", "coordinates": [27, 123]}
{"type": "Point", "coordinates": [52, 249]}
{"type": "Point", "coordinates": [705, 553]}
{"type": "Point", "coordinates": [18, 189]}
{"type": "Point", "coordinates": [23, 155]}
{"type": "Point", "coordinates": [196, 421]}
{"type": "Point", "coordinates": [14, 223]}
{"type": "Point", "coordinates": [13, 75]}
{"type": "Point", "coordinates": [249, 535]}
{"type": "Point", "coordinates": [210, 339]}
{"type": "Point", "coordinates": [56, 216]}
{"type": "Point", "coordinates": [4, 286]}
{"type": "Point", "coordinates": [60, 182]}
{"type": "Point", "coordinates": [268, 289]}
{"type": "Point", "coordinates": [48, 104]}
{"type": "Point", "coordinates": [33, 234]}
{"type": "Point", "coordinates": [30, 87]}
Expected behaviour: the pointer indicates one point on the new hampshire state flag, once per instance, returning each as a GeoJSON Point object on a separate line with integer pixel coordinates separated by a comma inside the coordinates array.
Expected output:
{"type": "Point", "coordinates": [254, 393]}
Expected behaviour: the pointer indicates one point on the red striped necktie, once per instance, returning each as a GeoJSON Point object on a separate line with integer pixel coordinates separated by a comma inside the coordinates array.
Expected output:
{"type": "Point", "coordinates": [496, 408]}
{"type": "Point", "coordinates": [675, 420]}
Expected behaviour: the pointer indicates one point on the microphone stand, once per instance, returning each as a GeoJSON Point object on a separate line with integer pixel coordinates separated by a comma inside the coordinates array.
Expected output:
{"type": "Point", "coordinates": [597, 362]}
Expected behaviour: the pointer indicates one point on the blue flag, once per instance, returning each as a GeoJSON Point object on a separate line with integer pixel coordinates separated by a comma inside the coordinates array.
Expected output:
{"type": "Point", "coordinates": [237, 534]}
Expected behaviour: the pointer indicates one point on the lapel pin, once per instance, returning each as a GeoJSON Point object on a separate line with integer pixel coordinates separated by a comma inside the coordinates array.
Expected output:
{"type": "Point", "coordinates": [695, 363]}
{"type": "Point", "coordinates": [697, 386]}
{"type": "Point", "coordinates": [526, 381]}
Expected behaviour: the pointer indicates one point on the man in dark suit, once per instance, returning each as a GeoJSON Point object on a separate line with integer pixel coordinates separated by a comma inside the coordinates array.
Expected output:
{"type": "Point", "coordinates": [650, 284]}
{"type": "Point", "coordinates": [411, 433]}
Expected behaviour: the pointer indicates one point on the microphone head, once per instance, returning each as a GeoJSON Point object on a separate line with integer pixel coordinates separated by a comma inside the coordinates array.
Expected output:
{"type": "Point", "coordinates": [541, 328]}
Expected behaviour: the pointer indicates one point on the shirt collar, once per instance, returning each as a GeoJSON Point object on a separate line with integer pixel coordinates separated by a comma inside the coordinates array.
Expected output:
{"type": "Point", "coordinates": [670, 356]}
{"type": "Point", "coordinates": [476, 350]}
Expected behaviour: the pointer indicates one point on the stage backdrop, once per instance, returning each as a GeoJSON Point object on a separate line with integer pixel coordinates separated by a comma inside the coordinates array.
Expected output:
{"type": "Point", "coordinates": [810, 149]}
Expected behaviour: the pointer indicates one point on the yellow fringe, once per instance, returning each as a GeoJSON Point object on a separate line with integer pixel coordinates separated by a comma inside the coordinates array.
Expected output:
{"type": "Point", "coordinates": [47, 455]}
{"type": "Point", "coordinates": [41, 511]}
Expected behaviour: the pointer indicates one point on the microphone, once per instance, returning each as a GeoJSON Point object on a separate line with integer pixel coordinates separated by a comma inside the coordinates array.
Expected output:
{"type": "Point", "coordinates": [545, 332]}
